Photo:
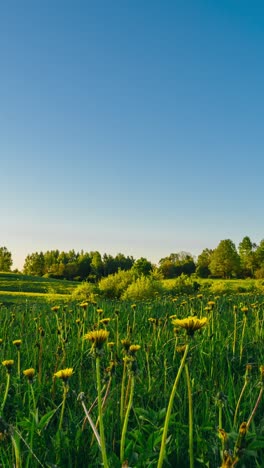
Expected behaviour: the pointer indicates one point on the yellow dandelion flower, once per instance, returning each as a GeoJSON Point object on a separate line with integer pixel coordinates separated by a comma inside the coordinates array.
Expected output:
{"type": "Point", "coordinates": [97, 337]}
{"type": "Point", "coordinates": [199, 296]}
{"type": "Point", "coordinates": [1, 341]}
{"type": "Point", "coordinates": [64, 374]}
{"type": "Point", "coordinates": [243, 428]}
{"type": "Point", "coordinates": [244, 309]}
{"type": "Point", "coordinates": [29, 373]}
{"type": "Point", "coordinates": [211, 303]}
{"type": "Point", "coordinates": [8, 364]}
{"type": "Point", "coordinates": [262, 372]}
{"type": "Point", "coordinates": [105, 321]}
{"type": "Point", "coordinates": [191, 324]}
{"type": "Point", "coordinates": [133, 306]}
{"type": "Point", "coordinates": [55, 308]}
{"type": "Point", "coordinates": [84, 305]}
{"type": "Point", "coordinates": [100, 311]}
{"type": "Point", "coordinates": [133, 349]}
{"type": "Point", "coordinates": [110, 344]}
{"type": "Point", "coordinates": [181, 349]}
{"type": "Point", "coordinates": [126, 343]}
{"type": "Point", "coordinates": [17, 343]}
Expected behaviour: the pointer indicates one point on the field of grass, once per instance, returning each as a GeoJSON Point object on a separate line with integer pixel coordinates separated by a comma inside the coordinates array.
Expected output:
{"type": "Point", "coordinates": [158, 406]}
{"type": "Point", "coordinates": [15, 288]}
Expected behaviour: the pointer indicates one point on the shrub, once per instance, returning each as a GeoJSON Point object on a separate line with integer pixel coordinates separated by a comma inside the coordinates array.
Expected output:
{"type": "Point", "coordinates": [185, 285]}
{"type": "Point", "coordinates": [143, 288]}
{"type": "Point", "coordinates": [113, 286]}
{"type": "Point", "coordinates": [84, 291]}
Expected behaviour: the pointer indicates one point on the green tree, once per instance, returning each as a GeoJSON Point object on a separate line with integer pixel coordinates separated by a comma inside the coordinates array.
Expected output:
{"type": "Point", "coordinates": [203, 262]}
{"type": "Point", "coordinates": [5, 259]}
{"type": "Point", "coordinates": [142, 266]}
{"type": "Point", "coordinates": [34, 264]}
{"type": "Point", "coordinates": [248, 257]}
{"type": "Point", "coordinates": [225, 261]}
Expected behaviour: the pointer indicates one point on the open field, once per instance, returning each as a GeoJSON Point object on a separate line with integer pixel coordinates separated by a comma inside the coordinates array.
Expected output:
{"type": "Point", "coordinates": [44, 422]}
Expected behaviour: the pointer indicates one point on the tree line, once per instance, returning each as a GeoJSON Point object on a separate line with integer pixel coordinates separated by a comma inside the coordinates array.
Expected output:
{"type": "Point", "coordinates": [225, 261]}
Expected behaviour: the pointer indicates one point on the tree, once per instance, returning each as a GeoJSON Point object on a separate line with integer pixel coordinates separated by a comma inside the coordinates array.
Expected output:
{"type": "Point", "coordinates": [142, 266]}
{"type": "Point", "coordinates": [247, 256]}
{"type": "Point", "coordinates": [177, 264]}
{"type": "Point", "coordinates": [225, 261]}
{"type": "Point", "coordinates": [34, 264]}
{"type": "Point", "coordinates": [203, 262]}
{"type": "Point", "coordinates": [5, 259]}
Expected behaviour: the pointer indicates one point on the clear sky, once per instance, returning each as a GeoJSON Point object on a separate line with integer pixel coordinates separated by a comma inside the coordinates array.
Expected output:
{"type": "Point", "coordinates": [130, 126]}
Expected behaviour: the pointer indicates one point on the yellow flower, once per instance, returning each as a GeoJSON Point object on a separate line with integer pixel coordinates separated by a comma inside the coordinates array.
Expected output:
{"type": "Point", "coordinates": [8, 364]}
{"type": "Point", "coordinates": [17, 343]}
{"type": "Point", "coordinates": [126, 343]}
{"type": "Point", "coordinates": [244, 310]}
{"type": "Point", "coordinates": [133, 349]}
{"type": "Point", "coordinates": [100, 311]}
{"type": "Point", "coordinates": [1, 341]}
{"type": "Point", "coordinates": [191, 324]}
{"type": "Point", "coordinates": [29, 373]}
{"type": "Point", "coordinates": [97, 337]}
{"type": "Point", "coordinates": [64, 374]}
{"type": "Point", "coordinates": [262, 372]}
{"type": "Point", "coordinates": [55, 308]}
{"type": "Point", "coordinates": [243, 428]}
{"type": "Point", "coordinates": [84, 305]}
{"type": "Point", "coordinates": [110, 344]}
{"type": "Point", "coordinates": [133, 306]}
{"type": "Point", "coordinates": [105, 321]}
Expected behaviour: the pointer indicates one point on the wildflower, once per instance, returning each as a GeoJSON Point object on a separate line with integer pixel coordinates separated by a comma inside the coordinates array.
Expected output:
{"type": "Point", "coordinates": [244, 310]}
{"type": "Point", "coordinates": [100, 311]}
{"type": "Point", "coordinates": [29, 373]}
{"type": "Point", "coordinates": [211, 304]}
{"type": "Point", "coordinates": [191, 324]}
{"type": "Point", "coordinates": [64, 374]}
{"type": "Point", "coordinates": [105, 321]}
{"type": "Point", "coordinates": [133, 349]}
{"type": "Point", "coordinates": [1, 341]}
{"type": "Point", "coordinates": [181, 349]}
{"type": "Point", "coordinates": [84, 305]}
{"type": "Point", "coordinates": [110, 344]}
{"type": "Point", "coordinates": [126, 344]}
{"type": "Point", "coordinates": [8, 364]}
{"type": "Point", "coordinates": [262, 372]}
{"type": "Point", "coordinates": [243, 429]}
{"type": "Point", "coordinates": [199, 296]}
{"type": "Point", "coordinates": [133, 306]}
{"type": "Point", "coordinates": [97, 337]}
{"type": "Point", "coordinates": [17, 343]}
{"type": "Point", "coordinates": [55, 308]}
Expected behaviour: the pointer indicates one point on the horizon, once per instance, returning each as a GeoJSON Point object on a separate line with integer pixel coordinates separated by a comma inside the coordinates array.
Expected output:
{"type": "Point", "coordinates": [130, 128]}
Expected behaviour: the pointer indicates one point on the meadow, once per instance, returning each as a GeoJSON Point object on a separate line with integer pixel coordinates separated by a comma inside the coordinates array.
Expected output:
{"type": "Point", "coordinates": [115, 383]}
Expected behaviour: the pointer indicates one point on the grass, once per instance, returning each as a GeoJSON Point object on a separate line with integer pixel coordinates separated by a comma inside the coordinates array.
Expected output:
{"type": "Point", "coordinates": [33, 432]}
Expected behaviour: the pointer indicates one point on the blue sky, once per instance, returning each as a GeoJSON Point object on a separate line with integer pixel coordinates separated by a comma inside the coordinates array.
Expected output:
{"type": "Point", "coordinates": [130, 126]}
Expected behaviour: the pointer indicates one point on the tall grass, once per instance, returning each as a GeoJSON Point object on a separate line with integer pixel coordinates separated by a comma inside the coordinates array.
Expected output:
{"type": "Point", "coordinates": [133, 401]}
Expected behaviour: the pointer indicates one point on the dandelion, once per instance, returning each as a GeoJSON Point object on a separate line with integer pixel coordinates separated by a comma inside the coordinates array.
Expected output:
{"type": "Point", "coordinates": [133, 349]}
{"type": "Point", "coordinates": [1, 341]}
{"type": "Point", "coordinates": [190, 324]}
{"type": "Point", "coordinates": [100, 311]}
{"type": "Point", "coordinates": [64, 374]}
{"type": "Point", "coordinates": [29, 374]}
{"type": "Point", "coordinates": [55, 308]}
{"type": "Point", "coordinates": [105, 321]}
{"type": "Point", "coordinates": [84, 305]}
{"type": "Point", "coordinates": [17, 343]}
{"type": "Point", "coordinates": [97, 337]}
{"type": "Point", "coordinates": [126, 344]}
{"type": "Point", "coordinates": [133, 306]}
{"type": "Point", "coordinates": [8, 364]}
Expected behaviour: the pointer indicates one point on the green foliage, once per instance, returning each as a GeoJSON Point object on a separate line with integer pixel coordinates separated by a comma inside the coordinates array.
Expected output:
{"type": "Point", "coordinates": [184, 285]}
{"type": "Point", "coordinates": [114, 285]}
{"type": "Point", "coordinates": [84, 291]}
{"type": "Point", "coordinates": [225, 261]}
{"type": "Point", "coordinates": [142, 266]}
{"type": "Point", "coordinates": [5, 259]}
{"type": "Point", "coordinates": [142, 288]}
{"type": "Point", "coordinates": [176, 264]}
{"type": "Point", "coordinates": [203, 263]}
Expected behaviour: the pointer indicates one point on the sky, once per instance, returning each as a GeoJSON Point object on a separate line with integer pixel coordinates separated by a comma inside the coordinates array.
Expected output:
{"type": "Point", "coordinates": [130, 126]}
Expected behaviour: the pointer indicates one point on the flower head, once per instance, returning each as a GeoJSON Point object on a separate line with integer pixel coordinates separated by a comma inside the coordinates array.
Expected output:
{"type": "Point", "coordinates": [133, 349]}
{"type": "Point", "coordinates": [29, 373]}
{"type": "Point", "coordinates": [64, 374]}
{"type": "Point", "coordinates": [8, 364]}
{"type": "Point", "coordinates": [105, 321]}
{"type": "Point", "coordinates": [55, 308]}
{"type": "Point", "coordinates": [191, 324]}
{"type": "Point", "coordinates": [17, 343]}
{"type": "Point", "coordinates": [97, 337]}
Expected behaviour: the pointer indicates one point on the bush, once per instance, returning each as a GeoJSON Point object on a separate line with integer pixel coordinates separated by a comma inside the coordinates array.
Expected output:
{"type": "Point", "coordinates": [84, 291]}
{"type": "Point", "coordinates": [143, 288]}
{"type": "Point", "coordinates": [185, 285]}
{"type": "Point", "coordinates": [113, 286]}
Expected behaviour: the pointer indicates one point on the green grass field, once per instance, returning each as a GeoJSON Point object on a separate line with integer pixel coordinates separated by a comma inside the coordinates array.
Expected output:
{"type": "Point", "coordinates": [45, 422]}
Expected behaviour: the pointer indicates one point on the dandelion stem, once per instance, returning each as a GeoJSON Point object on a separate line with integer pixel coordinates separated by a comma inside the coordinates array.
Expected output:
{"type": "Point", "coordinates": [6, 391]}
{"type": "Point", "coordinates": [169, 409]}
{"type": "Point", "coordinates": [65, 391]}
{"type": "Point", "coordinates": [187, 374]}
{"type": "Point", "coordinates": [100, 412]}
{"type": "Point", "coordinates": [255, 407]}
{"type": "Point", "coordinates": [124, 429]}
